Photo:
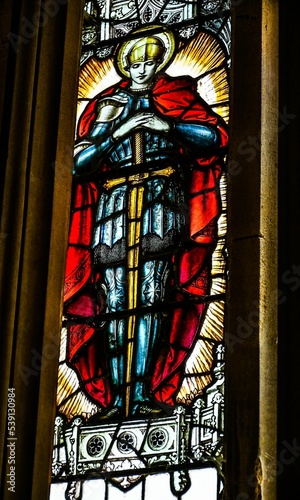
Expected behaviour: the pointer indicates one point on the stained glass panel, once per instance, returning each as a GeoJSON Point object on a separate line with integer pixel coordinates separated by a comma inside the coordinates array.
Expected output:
{"type": "Point", "coordinates": [140, 395]}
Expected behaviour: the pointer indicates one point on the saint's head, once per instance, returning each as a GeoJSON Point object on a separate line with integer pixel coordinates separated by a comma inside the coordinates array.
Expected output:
{"type": "Point", "coordinates": [149, 47]}
{"type": "Point", "coordinates": [143, 59]}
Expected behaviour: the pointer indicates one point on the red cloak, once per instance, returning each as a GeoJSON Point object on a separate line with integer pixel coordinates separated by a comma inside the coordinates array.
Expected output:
{"type": "Point", "coordinates": [177, 99]}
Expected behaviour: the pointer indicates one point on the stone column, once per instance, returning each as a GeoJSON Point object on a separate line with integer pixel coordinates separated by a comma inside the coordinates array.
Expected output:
{"type": "Point", "coordinates": [251, 326]}
{"type": "Point", "coordinates": [40, 48]}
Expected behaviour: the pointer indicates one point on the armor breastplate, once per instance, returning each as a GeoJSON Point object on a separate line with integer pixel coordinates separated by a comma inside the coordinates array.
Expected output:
{"type": "Point", "coordinates": [156, 146]}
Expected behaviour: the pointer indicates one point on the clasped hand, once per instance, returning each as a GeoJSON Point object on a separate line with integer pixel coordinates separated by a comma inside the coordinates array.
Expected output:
{"type": "Point", "coordinates": [148, 121]}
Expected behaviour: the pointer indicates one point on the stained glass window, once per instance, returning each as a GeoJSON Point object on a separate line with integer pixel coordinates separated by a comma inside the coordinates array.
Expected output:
{"type": "Point", "coordinates": [140, 395]}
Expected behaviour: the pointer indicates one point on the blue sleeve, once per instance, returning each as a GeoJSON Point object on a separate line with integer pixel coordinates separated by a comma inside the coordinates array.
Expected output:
{"type": "Point", "coordinates": [87, 160]}
{"type": "Point", "coordinates": [195, 135]}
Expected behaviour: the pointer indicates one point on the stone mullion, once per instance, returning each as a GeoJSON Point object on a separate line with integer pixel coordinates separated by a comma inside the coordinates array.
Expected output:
{"type": "Point", "coordinates": [16, 133]}
{"type": "Point", "coordinates": [62, 169]}
{"type": "Point", "coordinates": [268, 318]}
{"type": "Point", "coordinates": [35, 215]}
{"type": "Point", "coordinates": [251, 328]}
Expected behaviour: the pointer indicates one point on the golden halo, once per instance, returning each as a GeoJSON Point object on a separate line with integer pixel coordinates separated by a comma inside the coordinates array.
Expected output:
{"type": "Point", "coordinates": [165, 36]}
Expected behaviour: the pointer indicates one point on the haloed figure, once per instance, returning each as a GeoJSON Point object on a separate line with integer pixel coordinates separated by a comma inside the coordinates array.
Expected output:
{"type": "Point", "coordinates": [146, 201]}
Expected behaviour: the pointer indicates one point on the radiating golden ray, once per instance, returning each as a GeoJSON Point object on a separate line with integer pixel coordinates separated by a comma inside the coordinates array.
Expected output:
{"type": "Point", "coordinates": [199, 56]}
{"type": "Point", "coordinates": [78, 404]}
{"type": "Point", "coordinates": [218, 286]}
{"type": "Point", "coordinates": [203, 59]}
{"type": "Point", "coordinates": [218, 261]}
{"type": "Point", "coordinates": [219, 78]}
{"type": "Point", "coordinates": [202, 363]}
{"type": "Point", "coordinates": [223, 188]}
{"type": "Point", "coordinates": [192, 387]}
{"type": "Point", "coordinates": [222, 225]}
{"type": "Point", "coordinates": [212, 329]}
{"type": "Point", "coordinates": [67, 382]}
{"type": "Point", "coordinates": [214, 322]}
{"type": "Point", "coordinates": [202, 356]}
{"type": "Point", "coordinates": [222, 111]}
{"type": "Point", "coordinates": [213, 88]}
{"type": "Point", "coordinates": [63, 345]}
{"type": "Point", "coordinates": [95, 76]}
{"type": "Point", "coordinates": [195, 385]}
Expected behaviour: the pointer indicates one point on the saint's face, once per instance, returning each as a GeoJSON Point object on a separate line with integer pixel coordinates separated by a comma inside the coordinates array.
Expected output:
{"type": "Point", "coordinates": [142, 72]}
